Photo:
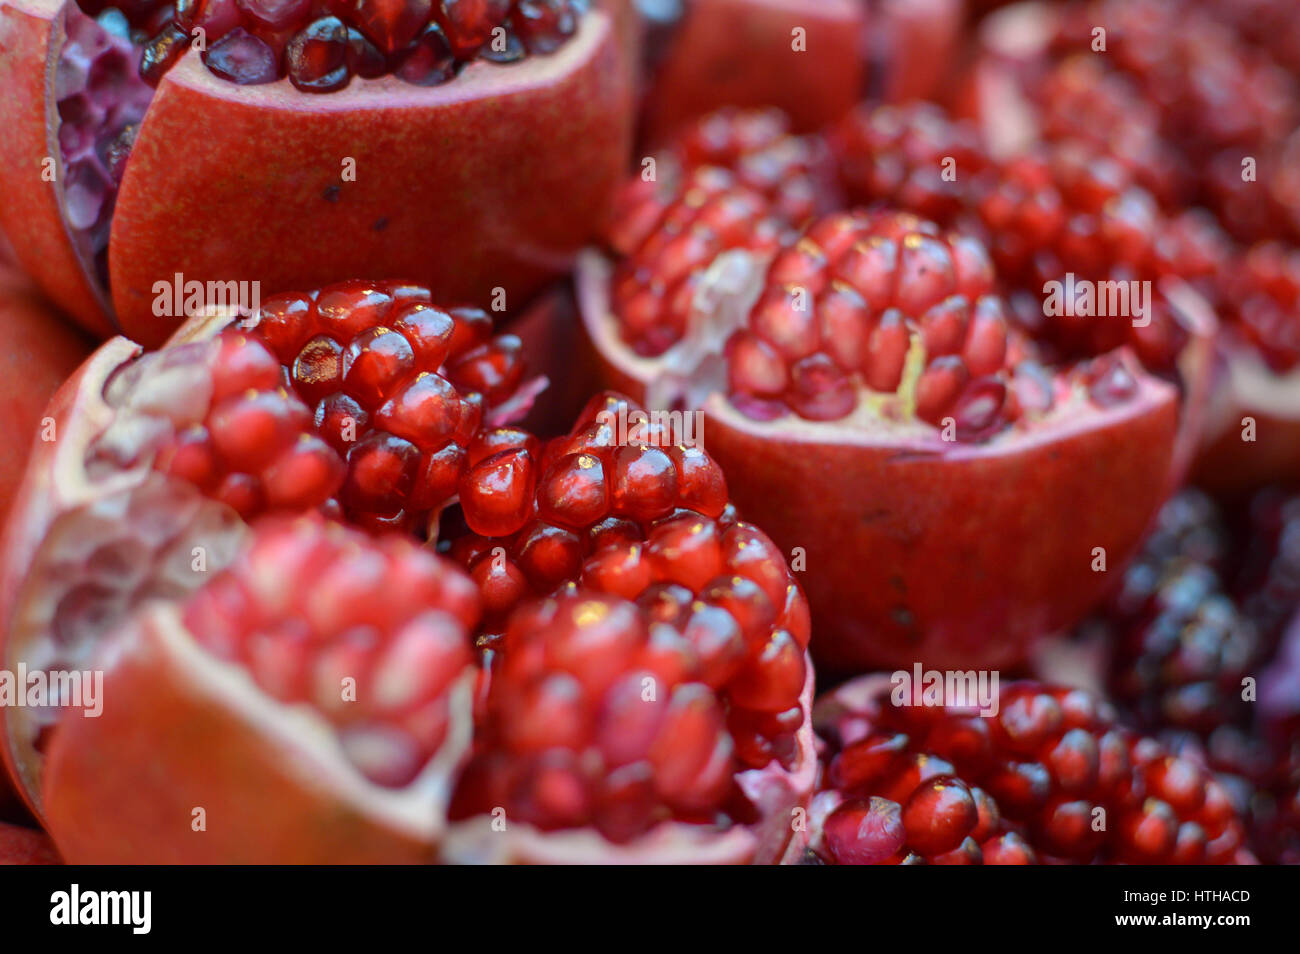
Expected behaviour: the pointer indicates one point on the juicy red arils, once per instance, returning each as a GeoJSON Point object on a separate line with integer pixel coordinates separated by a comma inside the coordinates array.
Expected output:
{"type": "Point", "coordinates": [391, 24]}
{"type": "Point", "coordinates": [242, 58]}
{"type": "Point", "coordinates": [430, 61]}
{"type": "Point", "coordinates": [317, 56]}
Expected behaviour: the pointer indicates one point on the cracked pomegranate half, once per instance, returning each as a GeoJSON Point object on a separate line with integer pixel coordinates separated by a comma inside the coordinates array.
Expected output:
{"type": "Point", "coordinates": [357, 402]}
{"type": "Point", "coordinates": [1051, 777]}
{"type": "Point", "coordinates": [878, 415]}
{"type": "Point", "coordinates": [305, 142]}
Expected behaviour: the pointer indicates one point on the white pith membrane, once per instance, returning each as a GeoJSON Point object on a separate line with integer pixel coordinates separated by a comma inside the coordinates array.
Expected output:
{"type": "Point", "coordinates": [692, 374]}
{"type": "Point", "coordinates": [114, 565]}
{"type": "Point", "coordinates": [778, 796]}
{"type": "Point", "coordinates": [1250, 386]}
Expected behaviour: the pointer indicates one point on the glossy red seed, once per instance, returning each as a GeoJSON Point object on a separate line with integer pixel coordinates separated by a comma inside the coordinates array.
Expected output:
{"type": "Point", "coordinates": [242, 58]}
{"type": "Point", "coordinates": [469, 23]}
{"type": "Point", "coordinates": [643, 483]}
{"type": "Point", "coordinates": [316, 57]}
{"type": "Point", "coordinates": [496, 495]}
{"type": "Point", "coordinates": [864, 832]}
{"type": "Point", "coordinates": [429, 61]}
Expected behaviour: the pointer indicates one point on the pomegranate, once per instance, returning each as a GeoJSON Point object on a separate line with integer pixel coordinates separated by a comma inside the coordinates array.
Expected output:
{"type": "Point", "coordinates": [1050, 777]}
{"type": "Point", "coordinates": [304, 143]}
{"type": "Point", "coordinates": [869, 425]}
{"type": "Point", "coordinates": [620, 510]}
{"type": "Point", "coordinates": [310, 702]}
{"type": "Point", "coordinates": [357, 401]}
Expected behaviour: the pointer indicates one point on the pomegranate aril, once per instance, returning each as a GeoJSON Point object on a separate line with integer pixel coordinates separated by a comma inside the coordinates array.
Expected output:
{"type": "Point", "coordinates": [316, 58]}
{"type": "Point", "coordinates": [242, 58]}
{"type": "Point", "coordinates": [469, 23]}
{"type": "Point", "coordinates": [429, 61]}
{"type": "Point", "coordinates": [497, 494]}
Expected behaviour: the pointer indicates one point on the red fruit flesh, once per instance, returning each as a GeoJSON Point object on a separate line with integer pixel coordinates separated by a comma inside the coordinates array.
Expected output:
{"type": "Point", "coordinates": [869, 403]}
{"type": "Point", "coordinates": [343, 705]}
{"type": "Point", "coordinates": [410, 164]}
{"type": "Point", "coordinates": [1049, 777]}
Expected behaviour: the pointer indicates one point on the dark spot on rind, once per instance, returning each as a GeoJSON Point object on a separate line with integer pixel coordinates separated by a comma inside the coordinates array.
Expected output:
{"type": "Point", "coordinates": [331, 194]}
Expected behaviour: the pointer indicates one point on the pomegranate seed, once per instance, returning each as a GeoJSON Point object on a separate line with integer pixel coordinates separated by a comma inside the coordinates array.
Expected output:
{"type": "Point", "coordinates": [429, 62]}
{"type": "Point", "coordinates": [316, 57]}
{"type": "Point", "coordinates": [242, 58]}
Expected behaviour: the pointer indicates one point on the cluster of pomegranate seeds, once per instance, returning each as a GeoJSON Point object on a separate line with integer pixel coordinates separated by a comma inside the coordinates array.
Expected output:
{"type": "Point", "coordinates": [848, 307]}
{"type": "Point", "coordinates": [896, 155]}
{"type": "Point", "coordinates": [668, 235]}
{"type": "Point", "coordinates": [360, 399]}
{"type": "Point", "coordinates": [371, 632]}
{"type": "Point", "coordinates": [1080, 99]}
{"type": "Point", "coordinates": [321, 44]}
{"type": "Point", "coordinates": [633, 516]}
{"type": "Point", "coordinates": [1211, 89]}
{"type": "Point", "coordinates": [604, 713]}
{"type": "Point", "coordinates": [1052, 776]}
{"type": "Point", "coordinates": [1267, 583]}
{"type": "Point", "coordinates": [794, 172]}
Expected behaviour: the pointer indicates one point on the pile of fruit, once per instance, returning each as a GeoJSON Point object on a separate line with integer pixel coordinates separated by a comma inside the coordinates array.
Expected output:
{"type": "Point", "coordinates": [653, 431]}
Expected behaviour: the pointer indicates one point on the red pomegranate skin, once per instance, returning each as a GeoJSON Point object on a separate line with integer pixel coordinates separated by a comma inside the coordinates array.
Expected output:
{"type": "Point", "coordinates": [739, 53]}
{"type": "Point", "coordinates": [494, 180]}
{"type": "Point", "coordinates": [41, 350]}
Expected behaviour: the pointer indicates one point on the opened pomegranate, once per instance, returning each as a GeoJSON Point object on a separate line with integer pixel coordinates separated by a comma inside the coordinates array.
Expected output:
{"type": "Point", "coordinates": [310, 703]}
{"type": "Point", "coordinates": [877, 414]}
{"type": "Point", "coordinates": [1050, 777]}
{"type": "Point", "coordinates": [298, 143]}
{"type": "Point", "coordinates": [358, 401]}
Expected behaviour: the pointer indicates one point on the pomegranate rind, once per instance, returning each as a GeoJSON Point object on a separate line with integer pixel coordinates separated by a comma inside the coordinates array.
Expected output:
{"type": "Point", "coordinates": [181, 730]}
{"type": "Point", "coordinates": [494, 180]}
{"type": "Point", "coordinates": [954, 555]}
{"type": "Point", "coordinates": [740, 53]}
{"type": "Point", "coordinates": [31, 35]}
{"type": "Point", "coordinates": [42, 350]}
{"type": "Point", "coordinates": [778, 796]}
